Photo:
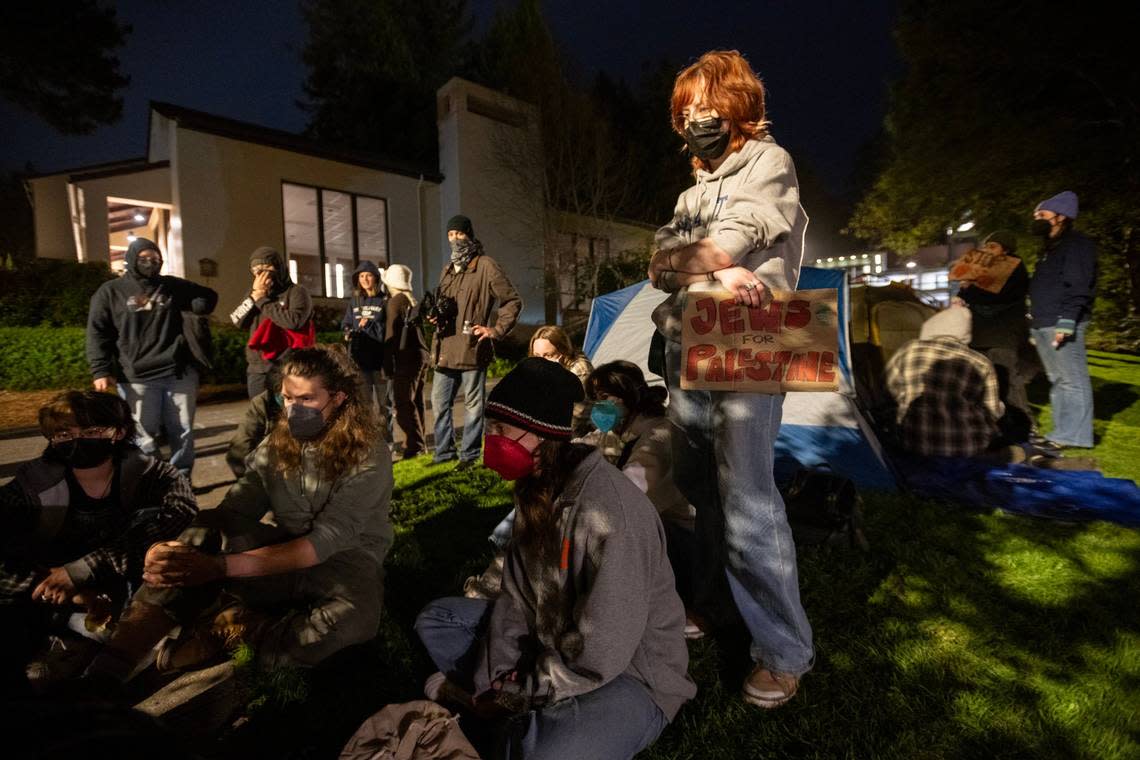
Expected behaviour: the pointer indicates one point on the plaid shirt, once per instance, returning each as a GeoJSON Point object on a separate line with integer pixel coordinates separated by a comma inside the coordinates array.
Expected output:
{"type": "Point", "coordinates": [156, 504]}
{"type": "Point", "coordinates": [947, 396]}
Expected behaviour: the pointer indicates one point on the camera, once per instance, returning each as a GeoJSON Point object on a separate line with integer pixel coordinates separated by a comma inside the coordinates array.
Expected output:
{"type": "Point", "coordinates": [443, 310]}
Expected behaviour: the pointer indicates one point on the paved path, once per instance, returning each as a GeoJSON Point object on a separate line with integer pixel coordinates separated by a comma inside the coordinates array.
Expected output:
{"type": "Point", "coordinates": [214, 425]}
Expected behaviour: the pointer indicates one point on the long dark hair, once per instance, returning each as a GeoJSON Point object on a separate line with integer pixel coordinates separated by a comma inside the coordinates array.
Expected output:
{"type": "Point", "coordinates": [352, 431]}
{"type": "Point", "coordinates": [535, 495]}
{"type": "Point", "coordinates": [626, 381]}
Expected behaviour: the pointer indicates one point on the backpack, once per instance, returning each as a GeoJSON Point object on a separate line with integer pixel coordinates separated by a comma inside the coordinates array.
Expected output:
{"type": "Point", "coordinates": [824, 508]}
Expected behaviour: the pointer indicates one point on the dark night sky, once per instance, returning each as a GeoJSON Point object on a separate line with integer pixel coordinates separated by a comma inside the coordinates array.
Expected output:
{"type": "Point", "coordinates": [826, 65]}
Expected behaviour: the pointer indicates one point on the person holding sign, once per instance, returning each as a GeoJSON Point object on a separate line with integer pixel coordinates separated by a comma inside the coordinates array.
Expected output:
{"type": "Point", "coordinates": [994, 285]}
{"type": "Point", "coordinates": [740, 225]}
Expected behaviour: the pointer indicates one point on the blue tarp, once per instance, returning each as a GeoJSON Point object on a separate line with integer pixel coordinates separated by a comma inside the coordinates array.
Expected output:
{"type": "Point", "coordinates": [1057, 494]}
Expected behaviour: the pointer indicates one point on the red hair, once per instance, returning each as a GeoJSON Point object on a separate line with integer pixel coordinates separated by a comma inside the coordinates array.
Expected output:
{"type": "Point", "coordinates": [728, 85]}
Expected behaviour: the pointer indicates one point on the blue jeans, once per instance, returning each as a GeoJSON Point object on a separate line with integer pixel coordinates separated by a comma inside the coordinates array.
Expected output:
{"type": "Point", "coordinates": [1071, 394]}
{"type": "Point", "coordinates": [445, 386]}
{"type": "Point", "coordinates": [723, 463]}
{"type": "Point", "coordinates": [170, 403]}
{"type": "Point", "coordinates": [616, 720]}
{"type": "Point", "coordinates": [376, 391]}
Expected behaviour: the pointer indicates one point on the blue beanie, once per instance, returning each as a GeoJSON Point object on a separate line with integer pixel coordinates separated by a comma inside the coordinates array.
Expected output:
{"type": "Point", "coordinates": [1064, 203]}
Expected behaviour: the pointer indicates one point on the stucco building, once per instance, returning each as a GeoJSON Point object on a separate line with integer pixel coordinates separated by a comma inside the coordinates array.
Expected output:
{"type": "Point", "coordinates": [210, 190]}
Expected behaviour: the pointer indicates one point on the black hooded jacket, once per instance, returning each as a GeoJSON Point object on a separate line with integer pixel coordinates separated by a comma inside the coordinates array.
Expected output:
{"type": "Point", "coordinates": [366, 344]}
{"type": "Point", "coordinates": [137, 322]}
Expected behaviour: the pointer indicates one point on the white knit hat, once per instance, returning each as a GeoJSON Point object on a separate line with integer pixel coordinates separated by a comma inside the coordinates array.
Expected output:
{"type": "Point", "coordinates": [398, 277]}
{"type": "Point", "coordinates": [954, 322]}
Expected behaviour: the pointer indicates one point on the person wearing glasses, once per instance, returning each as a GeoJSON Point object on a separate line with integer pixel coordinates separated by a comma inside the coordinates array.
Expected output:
{"type": "Point", "coordinates": [77, 523]}
{"type": "Point", "coordinates": [136, 333]}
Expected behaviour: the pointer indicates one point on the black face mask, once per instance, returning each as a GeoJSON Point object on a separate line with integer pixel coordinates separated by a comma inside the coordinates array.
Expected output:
{"type": "Point", "coordinates": [1040, 227]}
{"type": "Point", "coordinates": [148, 268]}
{"type": "Point", "coordinates": [706, 139]}
{"type": "Point", "coordinates": [84, 453]}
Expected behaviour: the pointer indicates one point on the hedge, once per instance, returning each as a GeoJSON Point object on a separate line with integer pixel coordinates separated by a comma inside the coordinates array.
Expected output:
{"type": "Point", "coordinates": [40, 358]}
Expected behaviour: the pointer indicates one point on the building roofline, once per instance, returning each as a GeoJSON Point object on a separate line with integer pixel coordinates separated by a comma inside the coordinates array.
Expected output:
{"type": "Point", "coordinates": [143, 167]}
{"type": "Point", "coordinates": [121, 166]}
{"type": "Point", "coordinates": [200, 121]}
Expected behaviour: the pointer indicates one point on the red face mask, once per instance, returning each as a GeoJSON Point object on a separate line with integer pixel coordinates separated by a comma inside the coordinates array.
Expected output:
{"type": "Point", "coordinates": [507, 457]}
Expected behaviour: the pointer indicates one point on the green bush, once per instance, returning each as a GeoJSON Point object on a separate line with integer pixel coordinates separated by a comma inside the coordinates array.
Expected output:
{"type": "Point", "coordinates": [35, 358]}
{"type": "Point", "coordinates": [49, 292]}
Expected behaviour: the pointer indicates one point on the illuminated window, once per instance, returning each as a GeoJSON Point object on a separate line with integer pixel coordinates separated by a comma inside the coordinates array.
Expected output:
{"type": "Point", "coordinates": [328, 232]}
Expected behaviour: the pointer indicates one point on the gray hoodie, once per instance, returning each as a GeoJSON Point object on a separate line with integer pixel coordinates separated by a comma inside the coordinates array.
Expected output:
{"type": "Point", "coordinates": [609, 607]}
{"type": "Point", "coordinates": [750, 207]}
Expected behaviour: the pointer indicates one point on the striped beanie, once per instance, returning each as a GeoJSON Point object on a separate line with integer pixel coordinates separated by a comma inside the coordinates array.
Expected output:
{"type": "Point", "coordinates": [538, 396]}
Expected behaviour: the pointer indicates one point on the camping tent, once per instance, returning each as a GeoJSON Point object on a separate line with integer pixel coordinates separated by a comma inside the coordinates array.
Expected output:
{"type": "Point", "coordinates": [819, 429]}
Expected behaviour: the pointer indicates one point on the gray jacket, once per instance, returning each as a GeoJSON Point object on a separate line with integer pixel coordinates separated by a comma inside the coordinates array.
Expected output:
{"type": "Point", "coordinates": [750, 207]}
{"type": "Point", "coordinates": [608, 607]}
{"type": "Point", "coordinates": [350, 512]}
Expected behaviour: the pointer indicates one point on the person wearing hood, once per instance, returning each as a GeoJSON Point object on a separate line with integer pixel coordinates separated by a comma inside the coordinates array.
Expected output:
{"type": "Point", "coordinates": [406, 358]}
{"type": "Point", "coordinates": [275, 298]}
{"type": "Point", "coordinates": [1061, 295]}
{"type": "Point", "coordinates": [136, 333]}
{"type": "Point", "coordinates": [471, 284]}
{"type": "Point", "coordinates": [363, 325]}
{"type": "Point", "coordinates": [741, 224]}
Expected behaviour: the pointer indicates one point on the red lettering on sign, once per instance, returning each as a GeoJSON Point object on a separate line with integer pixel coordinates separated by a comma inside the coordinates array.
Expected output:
{"type": "Point", "coordinates": [715, 372]}
{"type": "Point", "coordinates": [759, 371]}
{"type": "Point", "coordinates": [781, 360]}
{"type": "Point", "coordinates": [765, 320]}
{"type": "Point", "coordinates": [799, 314]}
{"type": "Point", "coordinates": [827, 367]}
{"type": "Point", "coordinates": [743, 362]}
{"type": "Point", "coordinates": [703, 324]}
{"type": "Point", "coordinates": [731, 320]}
{"type": "Point", "coordinates": [697, 354]}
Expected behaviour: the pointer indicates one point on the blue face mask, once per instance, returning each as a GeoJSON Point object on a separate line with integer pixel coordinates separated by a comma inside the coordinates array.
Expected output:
{"type": "Point", "coordinates": [606, 415]}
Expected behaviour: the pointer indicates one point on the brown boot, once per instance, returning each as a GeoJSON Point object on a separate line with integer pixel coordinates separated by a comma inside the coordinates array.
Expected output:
{"type": "Point", "coordinates": [766, 689]}
{"type": "Point", "coordinates": [209, 640]}
{"type": "Point", "coordinates": [140, 627]}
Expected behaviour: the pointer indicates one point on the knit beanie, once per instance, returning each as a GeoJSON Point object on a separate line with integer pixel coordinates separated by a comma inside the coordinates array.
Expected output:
{"type": "Point", "coordinates": [460, 223]}
{"type": "Point", "coordinates": [537, 396]}
{"type": "Point", "coordinates": [1064, 203]}
{"type": "Point", "coordinates": [1004, 238]}
{"type": "Point", "coordinates": [398, 277]}
{"type": "Point", "coordinates": [955, 322]}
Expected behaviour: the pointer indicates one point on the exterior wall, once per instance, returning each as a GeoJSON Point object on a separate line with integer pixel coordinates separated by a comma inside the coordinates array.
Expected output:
{"type": "Point", "coordinates": [229, 203]}
{"type": "Point", "coordinates": [55, 237]}
{"type": "Point", "coordinates": [52, 214]}
{"type": "Point", "coordinates": [490, 157]}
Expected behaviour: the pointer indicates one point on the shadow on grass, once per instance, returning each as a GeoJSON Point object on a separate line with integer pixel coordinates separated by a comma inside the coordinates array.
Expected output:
{"type": "Point", "coordinates": [430, 558]}
{"type": "Point", "coordinates": [959, 635]}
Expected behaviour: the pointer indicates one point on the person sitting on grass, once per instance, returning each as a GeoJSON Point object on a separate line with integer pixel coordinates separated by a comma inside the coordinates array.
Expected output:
{"type": "Point", "coordinates": [258, 420]}
{"type": "Point", "coordinates": [633, 432]}
{"type": "Point", "coordinates": [584, 649]}
{"type": "Point", "coordinates": [77, 523]}
{"type": "Point", "coordinates": [296, 591]}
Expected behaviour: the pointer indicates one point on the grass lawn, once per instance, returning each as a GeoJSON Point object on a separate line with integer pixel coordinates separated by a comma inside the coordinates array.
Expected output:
{"type": "Point", "coordinates": [961, 633]}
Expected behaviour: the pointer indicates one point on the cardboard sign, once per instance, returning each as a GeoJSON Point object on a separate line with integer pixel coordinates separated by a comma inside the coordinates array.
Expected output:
{"type": "Point", "coordinates": [791, 344]}
{"type": "Point", "coordinates": [989, 271]}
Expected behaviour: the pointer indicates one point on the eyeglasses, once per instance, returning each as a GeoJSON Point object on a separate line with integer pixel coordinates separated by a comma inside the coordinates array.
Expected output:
{"type": "Point", "coordinates": [65, 436]}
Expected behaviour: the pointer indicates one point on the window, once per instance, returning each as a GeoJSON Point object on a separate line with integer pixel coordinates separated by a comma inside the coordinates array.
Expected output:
{"type": "Point", "coordinates": [329, 232]}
